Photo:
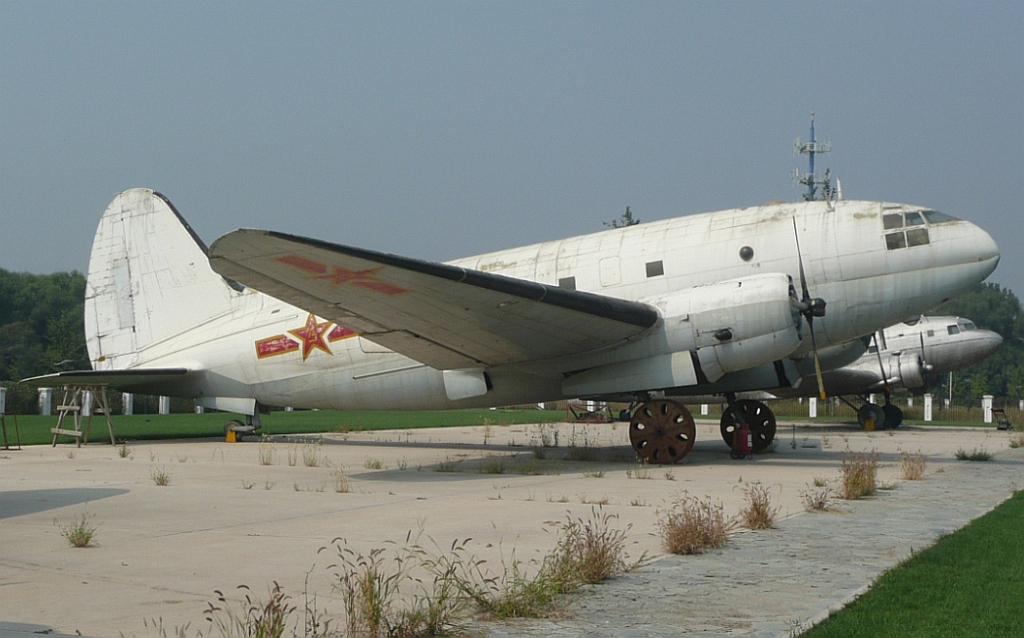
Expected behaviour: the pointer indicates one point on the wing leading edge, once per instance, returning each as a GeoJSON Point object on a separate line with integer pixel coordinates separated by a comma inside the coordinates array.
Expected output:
{"type": "Point", "coordinates": [445, 316]}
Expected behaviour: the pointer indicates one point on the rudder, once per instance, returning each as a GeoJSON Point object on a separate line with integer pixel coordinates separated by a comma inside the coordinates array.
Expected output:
{"type": "Point", "coordinates": [149, 280]}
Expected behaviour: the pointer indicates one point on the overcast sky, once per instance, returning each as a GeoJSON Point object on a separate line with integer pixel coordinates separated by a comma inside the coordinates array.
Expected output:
{"type": "Point", "coordinates": [440, 130]}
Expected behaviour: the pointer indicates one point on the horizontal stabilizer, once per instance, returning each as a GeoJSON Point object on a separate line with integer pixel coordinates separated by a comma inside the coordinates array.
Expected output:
{"type": "Point", "coordinates": [445, 316]}
{"type": "Point", "coordinates": [137, 380]}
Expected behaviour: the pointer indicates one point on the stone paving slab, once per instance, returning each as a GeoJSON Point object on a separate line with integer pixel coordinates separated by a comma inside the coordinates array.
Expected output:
{"type": "Point", "coordinates": [780, 582]}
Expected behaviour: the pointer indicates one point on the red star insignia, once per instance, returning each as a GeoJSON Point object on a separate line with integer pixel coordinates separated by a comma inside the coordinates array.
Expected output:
{"type": "Point", "coordinates": [361, 278]}
{"type": "Point", "coordinates": [312, 336]}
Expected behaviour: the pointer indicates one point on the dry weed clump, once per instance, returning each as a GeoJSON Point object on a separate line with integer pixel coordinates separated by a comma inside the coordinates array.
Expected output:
{"type": "Point", "coordinates": [255, 618]}
{"type": "Point", "coordinates": [858, 476]}
{"type": "Point", "coordinates": [691, 526]}
{"type": "Point", "coordinates": [1017, 440]}
{"type": "Point", "coordinates": [818, 498]}
{"type": "Point", "coordinates": [758, 513]}
{"type": "Point", "coordinates": [912, 468]}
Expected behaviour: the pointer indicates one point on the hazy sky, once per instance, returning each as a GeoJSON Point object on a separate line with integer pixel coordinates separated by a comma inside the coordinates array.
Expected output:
{"type": "Point", "coordinates": [440, 130]}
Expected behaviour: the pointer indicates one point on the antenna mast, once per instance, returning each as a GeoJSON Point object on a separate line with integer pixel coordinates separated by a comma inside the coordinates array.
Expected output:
{"type": "Point", "coordinates": [811, 179]}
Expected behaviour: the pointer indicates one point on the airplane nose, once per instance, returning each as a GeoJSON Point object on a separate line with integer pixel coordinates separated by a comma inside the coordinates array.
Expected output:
{"type": "Point", "coordinates": [990, 342]}
{"type": "Point", "coordinates": [985, 248]}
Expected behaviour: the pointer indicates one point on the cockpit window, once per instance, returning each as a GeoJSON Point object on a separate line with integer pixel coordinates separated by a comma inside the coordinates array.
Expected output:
{"type": "Point", "coordinates": [910, 230]}
{"type": "Point", "coordinates": [969, 326]}
{"type": "Point", "coordinates": [914, 219]}
{"type": "Point", "coordinates": [895, 240]}
{"type": "Point", "coordinates": [953, 330]}
{"type": "Point", "coordinates": [935, 217]}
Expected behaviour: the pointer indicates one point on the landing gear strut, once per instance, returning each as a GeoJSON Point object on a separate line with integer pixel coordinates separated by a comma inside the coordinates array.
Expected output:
{"type": "Point", "coordinates": [662, 431]}
{"type": "Point", "coordinates": [759, 418]}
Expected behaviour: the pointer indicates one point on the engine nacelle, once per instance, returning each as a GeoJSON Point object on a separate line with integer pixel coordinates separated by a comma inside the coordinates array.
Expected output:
{"type": "Point", "coordinates": [911, 370]}
{"type": "Point", "coordinates": [737, 324]}
{"type": "Point", "coordinates": [722, 327]}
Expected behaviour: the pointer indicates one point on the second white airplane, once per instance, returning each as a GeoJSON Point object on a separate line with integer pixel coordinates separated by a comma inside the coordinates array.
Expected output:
{"type": "Point", "coordinates": [714, 303]}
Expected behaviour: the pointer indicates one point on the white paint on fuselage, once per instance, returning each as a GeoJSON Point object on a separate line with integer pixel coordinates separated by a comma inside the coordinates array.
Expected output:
{"type": "Point", "coordinates": [844, 254]}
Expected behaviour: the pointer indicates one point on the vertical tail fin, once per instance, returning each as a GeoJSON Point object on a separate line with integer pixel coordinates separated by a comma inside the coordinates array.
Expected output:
{"type": "Point", "coordinates": [149, 280]}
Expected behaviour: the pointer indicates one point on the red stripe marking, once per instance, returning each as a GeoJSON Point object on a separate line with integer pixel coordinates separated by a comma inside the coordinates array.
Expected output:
{"type": "Point", "coordinates": [380, 286]}
{"type": "Point", "coordinates": [278, 344]}
{"type": "Point", "coordinates": [305, 264]}
{"type": "Point", "coordinates": [340, 332]}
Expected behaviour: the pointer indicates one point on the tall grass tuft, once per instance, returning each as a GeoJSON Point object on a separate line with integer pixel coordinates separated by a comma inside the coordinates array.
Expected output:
{"type": "Point", "coordinates": [691, 526]}
{"type": "Point", "coordinates": [858, 476]}
{"type": "Point", "coordinates": [818, 498]}
{"type": "Point", "coordinates": [254, 618]}
{"type": "Point", "coordinates": [912, 467]}
{"type": "Point", "coordinates": [977, 454]}
{"type": "Point", "coordinates": [758, 513]}
{"type": "Point", "coordinates": [80, 532]}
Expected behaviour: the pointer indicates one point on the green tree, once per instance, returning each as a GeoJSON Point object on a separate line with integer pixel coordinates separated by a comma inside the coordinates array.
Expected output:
{"type": "Point", "coordinates": [994, 308]}
{"type": "Point", "coordinates": [626, 219]}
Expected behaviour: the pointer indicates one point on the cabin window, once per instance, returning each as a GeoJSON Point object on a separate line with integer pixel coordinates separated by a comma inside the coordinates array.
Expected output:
{"type": "Point", "coordinates": [969, 326]}
{"type": "Point", "coordinates": [655, 268]}
{"type": "Point", "coordinates": [953, 330]}
{"type": "Point", "coordinates": [569, 283]}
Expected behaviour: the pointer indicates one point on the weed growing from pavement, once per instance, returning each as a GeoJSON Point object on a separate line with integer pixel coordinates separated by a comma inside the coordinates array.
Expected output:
{"type": "Point", "coordinates": [80, 532]}
{"type": "Point", "coordinates": [492, 465]}
{"type": "Point", "coordinates": [912, 466]}
{"type": "Point", "coordinates": [1017, 440]}
{"type": "Point", "coordinates": [448, 465]}
{"type": "Point", "coordinates": [124, 451]}
{"type": "Point", "coordinates": [311, 455]}
{"type": "Point", "coordinates": [818, 498]}
{"type": "Point", "coordinates": [692, 526]}
{"type": "Point", "coordinates": [373, 464]}
{"type": "Point", "coordinates": [641, 472]}
{"type": "Point", "coordinates": [254, 617]}
{"type": "Point", "coordinates": [341, 482]}
{"type": "Point", "coordinates": [977, 454]}
{"type": "Point", "coordinates": [858, 476]}
{"type": "Point", "coordinates": [160, 477]}
{"type": "Point", "coordinates": [266, 454]}
{"type": "Point", "coordinates": [758, 513]}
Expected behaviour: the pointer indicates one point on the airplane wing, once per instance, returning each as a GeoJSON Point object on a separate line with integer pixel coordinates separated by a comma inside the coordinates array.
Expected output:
{"type": "Point", "coordinates": [445, 316]}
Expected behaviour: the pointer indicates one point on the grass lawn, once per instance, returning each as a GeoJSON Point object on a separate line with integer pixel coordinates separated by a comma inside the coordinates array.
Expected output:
{"type": "Point", "coordinates": [35, 430]}
{"type": "Point", "coordinates": [970, 583]}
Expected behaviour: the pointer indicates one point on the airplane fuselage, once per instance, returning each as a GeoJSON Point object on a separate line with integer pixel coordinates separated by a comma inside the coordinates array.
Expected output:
{"type": "Point", "coordinates": [278, 354]}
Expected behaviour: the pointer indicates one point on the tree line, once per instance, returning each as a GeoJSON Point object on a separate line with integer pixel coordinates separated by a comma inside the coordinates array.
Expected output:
{"type": "Point", "coordinates": [42, 330]}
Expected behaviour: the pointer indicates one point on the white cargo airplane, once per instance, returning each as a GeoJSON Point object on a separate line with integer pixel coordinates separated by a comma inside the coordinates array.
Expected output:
{"type": "Point", "coordinates": [903, 357]}
{"type": "Point", "coordinates": [713, 303]}
{"type": "Point", "coordinates": [910, 353]}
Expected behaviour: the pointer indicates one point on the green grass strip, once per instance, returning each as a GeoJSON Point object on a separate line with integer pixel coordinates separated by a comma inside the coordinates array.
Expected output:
{"type": "Point", "coordinates": [35, 430]}
{"type": "Point", "coordinates": [970, 583]}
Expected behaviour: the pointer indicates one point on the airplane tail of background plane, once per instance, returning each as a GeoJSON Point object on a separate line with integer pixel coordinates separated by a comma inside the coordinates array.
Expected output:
{"type": "Point", "coordinates": [149, 281]}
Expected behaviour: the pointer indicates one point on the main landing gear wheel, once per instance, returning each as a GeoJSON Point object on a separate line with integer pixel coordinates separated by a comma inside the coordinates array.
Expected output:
{"type": "Point", "coordinates": [872, 412]}
{"type": "Point", "coordinates": [760, 419]}
{"type": "Point", "coordinates": [893, 416]}
{"type": "Point", "coordinates": [662, 431]}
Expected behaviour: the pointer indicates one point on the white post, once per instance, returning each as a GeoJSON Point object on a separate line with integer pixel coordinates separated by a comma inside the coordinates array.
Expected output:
{"type": "Point", "coordinates": [812, 407]}
{"type": "Point", "coordinates": [946, 402]}
{"type": "Point", "coordinates": [87, 403]}
{"type": "Point", "coordinates": [127, 402]}
{"type": "Point", "coordinates": [45, 401]}
{"type": "Point", "coordinates": [1020, 405]}
{"type": "Point", "coordinates": [704, 409]}
{"type": "Point", "coordinates": [165, 405]}
{"type": "Point", "coordinates": [871, 398]}
{"type": "Point", "coordinates": [927, 407]}
{"type": "Point", "coordinates": [3, 400]}
{"type": "Point", "coordinates": [986, 407]}
{"type": "Point", "coordinates": [199, 409]}
{"type": "Point", "coordinates": [291, 409]}
{"type": "Point", "coordinates": [910, 402]}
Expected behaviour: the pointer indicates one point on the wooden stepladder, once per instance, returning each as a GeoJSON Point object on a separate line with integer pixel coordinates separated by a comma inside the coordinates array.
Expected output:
{"type": "Point", "coordinates": [77, 399]}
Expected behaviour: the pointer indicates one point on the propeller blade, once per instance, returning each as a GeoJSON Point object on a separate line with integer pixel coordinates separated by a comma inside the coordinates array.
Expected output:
{"type": "Point", "coordinates": [810, 308]}
{"type": "Point", "coordinates": [881, 368]}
